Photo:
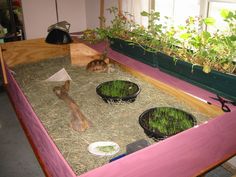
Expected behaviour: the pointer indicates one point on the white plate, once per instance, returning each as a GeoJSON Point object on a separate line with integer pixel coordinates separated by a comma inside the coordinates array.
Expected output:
{"type": "Point", "coordinates": [95, 148]}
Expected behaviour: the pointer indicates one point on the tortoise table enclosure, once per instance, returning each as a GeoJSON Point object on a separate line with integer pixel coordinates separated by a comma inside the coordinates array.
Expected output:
{"type": "Point", "coordinates": [110, 122]}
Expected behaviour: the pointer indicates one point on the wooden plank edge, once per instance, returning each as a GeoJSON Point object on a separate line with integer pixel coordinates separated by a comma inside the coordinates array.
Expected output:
{"type": "Point", "coordinates": [3, 67]}
{"type": "Point", "coordinates": [33, 50]}
{"type": "Point", "coordinates": [222, 163]}
{"type": "Point", "coordinates": [30, 140]}
{"type": "Point", "coordinates": [28, 135]}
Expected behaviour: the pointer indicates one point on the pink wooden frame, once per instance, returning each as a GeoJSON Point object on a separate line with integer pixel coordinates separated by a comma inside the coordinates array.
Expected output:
{"type": "Point", "coordinates": [189, 153]}
{"type": "Point", "coordinates": [50, 159]}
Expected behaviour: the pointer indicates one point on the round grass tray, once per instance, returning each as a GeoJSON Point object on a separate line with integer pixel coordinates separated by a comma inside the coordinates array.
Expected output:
{"type": "Point", "coordinates": [118, 90]}
{"type": "Point", "coordinates": [162, 122]}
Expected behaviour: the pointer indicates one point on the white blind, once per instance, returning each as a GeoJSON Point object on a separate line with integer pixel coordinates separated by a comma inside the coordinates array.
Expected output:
{"type": "Point", "coordinates": [135, 7]}
{"type": "Point", "coordinates": [214, 11]}
{"type": "Point", "coordinates": [178, 10]}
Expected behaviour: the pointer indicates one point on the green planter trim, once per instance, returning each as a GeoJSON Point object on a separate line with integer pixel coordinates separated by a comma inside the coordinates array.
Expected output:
{"type": "Point", "coordinates": [134, 51]}
{"type": "Point", "coordinates": [215, 82]}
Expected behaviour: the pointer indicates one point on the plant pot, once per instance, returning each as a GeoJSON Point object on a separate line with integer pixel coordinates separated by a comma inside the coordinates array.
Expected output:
{"type": "Point", "coordinates": [134, 51]}
{"type": "Point", "coordinates": [162, 122]}
{"type": "Point", "coordinates": [216, 82]}
{"type": "Point", "coordinates": [118, 90]}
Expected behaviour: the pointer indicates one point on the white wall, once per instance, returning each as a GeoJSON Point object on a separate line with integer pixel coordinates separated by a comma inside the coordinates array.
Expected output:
{"type": "Point", "coordinates": [81, 14]}
{"type": "Point", "coordinates": [109, 4]}
{"type": "Point", "coordinates": [39, 14]}
{"type": "Point", "coordinates": [74, 12]}
{"type": "Point", "coordinates": [93, 12]}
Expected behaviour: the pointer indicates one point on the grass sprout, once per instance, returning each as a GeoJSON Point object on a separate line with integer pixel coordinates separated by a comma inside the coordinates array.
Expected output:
{"type": "Point", "coordinates": [170, 121]}
{"type": "Point", "coordinates": [118, 88]}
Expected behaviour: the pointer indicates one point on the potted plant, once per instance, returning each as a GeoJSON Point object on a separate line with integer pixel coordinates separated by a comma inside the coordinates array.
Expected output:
{"type": "Point", "coordinates": [118, 90]}
{"type": "Point", "coordinates": [127, 37]}
{"type": "Point", "coordinates": [162, 122]}
{"type": "Point", "coordinates": [121, 35]}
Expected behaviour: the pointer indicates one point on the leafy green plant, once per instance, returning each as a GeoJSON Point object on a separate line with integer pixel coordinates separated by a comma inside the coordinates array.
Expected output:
{"type": "Point", "coordinates": [169, 121]}
{"type": "Point", "coordinates": [118, 88]}
{"type": "Point", "coordinates": [121, 24]}
{"type": "Point", "coordinates": [189, 42]}
{"type": "Point", "coordinates": [200, 47]}
{"type": "Point", "coordinates": [2, 30]}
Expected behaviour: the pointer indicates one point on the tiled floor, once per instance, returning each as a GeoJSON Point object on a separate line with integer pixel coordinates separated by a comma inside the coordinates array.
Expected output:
{"type": "Point", "coordinates": [16, 156]}
{"type": "Point", "coordinates": [219, 172]}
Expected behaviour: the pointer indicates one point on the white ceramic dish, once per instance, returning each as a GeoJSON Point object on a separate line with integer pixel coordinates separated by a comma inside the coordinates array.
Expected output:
{"type": "Point", "coordinates": [103, 148]}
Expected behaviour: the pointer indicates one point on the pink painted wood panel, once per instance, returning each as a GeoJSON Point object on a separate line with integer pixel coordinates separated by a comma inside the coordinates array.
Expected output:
{"type": "Point", "coordinates": [186, 154]}
{"type": "Point", "coordinates": [49, 156]}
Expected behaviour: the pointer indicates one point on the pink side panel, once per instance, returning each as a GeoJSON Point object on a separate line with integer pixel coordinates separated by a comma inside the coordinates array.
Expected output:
{"type": "Point", "coordinates": [51, 159]}
{"type": "Point", "coordinates": [186, 154]}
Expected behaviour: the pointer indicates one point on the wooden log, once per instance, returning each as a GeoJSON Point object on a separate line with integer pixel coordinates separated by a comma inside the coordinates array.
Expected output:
{"type": "Point", "coordinates": [79, 122]}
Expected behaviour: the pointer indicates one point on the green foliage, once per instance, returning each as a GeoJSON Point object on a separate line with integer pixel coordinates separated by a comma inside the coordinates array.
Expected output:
{"type": "Point", "coordinates": [188, 42]}
{"type": "Point", "coordinates": [209, 21]}
{"type": "Point", "coordinates": [170, 121]}
{"type": "Point", "coordinates": [2, 31]}
{"type": "Point", "coordinates": [118, 88]}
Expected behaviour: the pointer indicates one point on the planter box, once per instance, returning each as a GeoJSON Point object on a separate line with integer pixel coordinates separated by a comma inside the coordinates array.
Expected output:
{"type": "Point", "coordinates": [134, 51]}
{"type": "Point", "coordinates": [216, 82]}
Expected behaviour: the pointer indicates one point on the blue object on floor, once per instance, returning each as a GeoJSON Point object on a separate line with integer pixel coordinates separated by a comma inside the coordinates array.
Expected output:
{"type": "Point", "coordinates": [132, 147]}
{"type": "Point", "coordinates": [117, 157]}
